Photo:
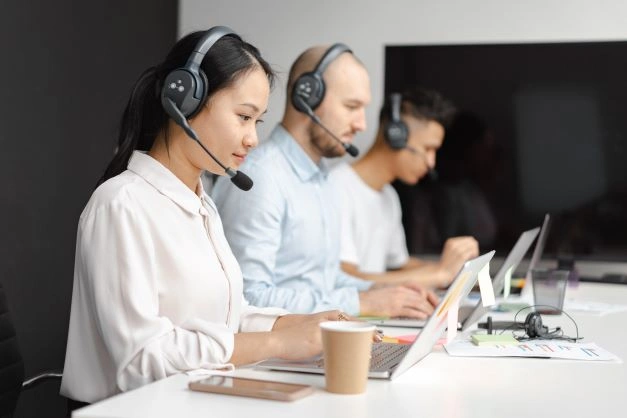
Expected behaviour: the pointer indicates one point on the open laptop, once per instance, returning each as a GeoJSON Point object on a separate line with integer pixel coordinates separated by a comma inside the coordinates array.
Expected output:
{"type": "Point", "coordinates": [514, 258]}
{"type": "Point", "coordinates": [527, 291]}
{"type": "Point", "coordinates": [470, 314]}
{"type": "Point", "coordinates": [389, 360]}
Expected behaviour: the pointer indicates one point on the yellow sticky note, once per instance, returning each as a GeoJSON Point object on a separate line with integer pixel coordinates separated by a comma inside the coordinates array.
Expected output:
{"type": "Point", "coordinates": [387, 339]}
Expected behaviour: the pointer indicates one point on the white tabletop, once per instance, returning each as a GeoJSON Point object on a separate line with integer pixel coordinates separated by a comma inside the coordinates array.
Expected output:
{"type": "Point", "coordinates": [438, 386]}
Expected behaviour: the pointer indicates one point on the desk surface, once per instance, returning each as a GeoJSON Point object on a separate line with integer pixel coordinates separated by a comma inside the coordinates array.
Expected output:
{"type": "Point", "coordinates": [439, 385]}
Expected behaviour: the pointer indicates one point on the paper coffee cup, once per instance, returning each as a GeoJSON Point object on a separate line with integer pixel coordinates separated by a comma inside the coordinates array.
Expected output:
{"type": "Point", "coordinates": [346, 349]}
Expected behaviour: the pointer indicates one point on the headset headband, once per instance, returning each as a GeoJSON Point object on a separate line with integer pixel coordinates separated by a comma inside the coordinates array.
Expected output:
{"type": "Point", "coordinates": [205, 43]}
{"type": "Point", "coordinates": [333, 52]}
{"type": "Point", "coordinates": [395, 106]}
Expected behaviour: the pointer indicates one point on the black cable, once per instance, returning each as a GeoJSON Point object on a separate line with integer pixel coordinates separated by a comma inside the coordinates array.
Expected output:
{"type": "Point", "coordinates": [549, 334]}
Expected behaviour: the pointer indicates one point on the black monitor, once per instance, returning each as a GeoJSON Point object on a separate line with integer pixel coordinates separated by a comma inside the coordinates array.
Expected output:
{"type": "Point", "coordinates": [541, 128]}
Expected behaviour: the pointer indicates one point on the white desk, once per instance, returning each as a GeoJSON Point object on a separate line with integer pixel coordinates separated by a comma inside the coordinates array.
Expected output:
{"type": "Point", "coordinates": [438, 386]}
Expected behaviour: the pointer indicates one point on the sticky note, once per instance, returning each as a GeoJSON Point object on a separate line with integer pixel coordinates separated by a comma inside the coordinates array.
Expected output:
{"type": "Point", "coordinates": [493, 339]}
{"type": "Point", "coordinates": [511, 307]}
{"type": "Point", "coordinates": [406, 339]}
{"type": "Point", "coordinates": [485, 286]}
{"type": "Point", "coordinates": [452, 321]}
{"type": "Point", "coordinates": [392, 340]}
{"type": "Point", "coordinates": [508, 282]}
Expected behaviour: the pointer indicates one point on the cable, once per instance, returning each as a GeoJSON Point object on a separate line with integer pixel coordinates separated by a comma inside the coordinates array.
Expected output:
{"type": "Point", "coordinates": [556, 334]}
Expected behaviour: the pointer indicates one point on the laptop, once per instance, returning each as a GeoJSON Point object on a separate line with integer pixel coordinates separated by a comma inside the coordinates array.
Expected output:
{"type": "Point", "coordinates": [469, 314]}
{"type": "Point", "coordinates": [527, 291]}
{"type": "Point", "coordinates": [513, 259]}
{"type": "Point", "coordinates": [389, 360]}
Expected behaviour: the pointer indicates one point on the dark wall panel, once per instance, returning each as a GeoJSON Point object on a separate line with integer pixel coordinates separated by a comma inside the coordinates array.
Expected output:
{"type": "Point", "coordinates": [66, 71]}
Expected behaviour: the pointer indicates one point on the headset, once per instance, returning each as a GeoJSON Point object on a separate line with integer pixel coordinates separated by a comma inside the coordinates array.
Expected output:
{"type": "Point", "coordinates": [396, 131]}
{"type": "Point", "coordinates": [184, 92]}
{"type": "Point", "coordinates": [309, 89]}
{"type": "Point", "coordinates": [187, 86]}
{"type": "Point", "coordinates": [532, 326]}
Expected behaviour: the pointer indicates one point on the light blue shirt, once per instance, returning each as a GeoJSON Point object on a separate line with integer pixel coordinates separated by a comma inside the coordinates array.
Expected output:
{"type": "Point", "coordinates": [285, 231]}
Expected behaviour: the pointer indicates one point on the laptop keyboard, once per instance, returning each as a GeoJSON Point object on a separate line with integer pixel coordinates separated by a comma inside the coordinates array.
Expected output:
{"type": "Point", "coordinates": [383, 357]}
{"type": "Point", "coordinates": [387, 355]}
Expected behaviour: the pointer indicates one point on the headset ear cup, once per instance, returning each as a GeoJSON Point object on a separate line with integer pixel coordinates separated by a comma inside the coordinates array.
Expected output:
{"type": "Point", "coordinates": [396, 131]}
{"type": "Point", "coordinates": [396, 134]}
{"type": "Point", "coordinates": [203, 88]}
{"type": "Point", "coordinates": [179, 86]}
{"type": "Point", "coordinates": [533, 325]}
{"type": "Point", "coordinates": [310, 89]}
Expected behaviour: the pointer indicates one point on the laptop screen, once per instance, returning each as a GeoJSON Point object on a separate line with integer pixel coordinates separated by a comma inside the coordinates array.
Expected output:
{"type": "Point", "coordinates": [513, 259]}
{"type": "Point", "coordinates": [465, 280]}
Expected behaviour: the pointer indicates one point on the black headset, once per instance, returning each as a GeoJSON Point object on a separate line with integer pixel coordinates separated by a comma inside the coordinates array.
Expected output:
{"type": "Point", "coordinates": [396, 131]}
{"type": "Point", "coordinates": [309, 88]}
{"type": "Point", "coordinates": [185, 90]}
{"type": "Point", "coordinates": [533, 326]}
{"type": "Point", "coordinates": [187, 86]}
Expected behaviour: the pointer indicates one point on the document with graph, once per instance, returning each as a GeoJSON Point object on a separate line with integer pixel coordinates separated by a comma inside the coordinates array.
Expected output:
{"type": "Point", "coordinates": [533, 348]}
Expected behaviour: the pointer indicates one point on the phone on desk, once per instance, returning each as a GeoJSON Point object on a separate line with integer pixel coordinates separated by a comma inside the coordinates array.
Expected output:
{"type": "Point", "coordinates": [254, 388]}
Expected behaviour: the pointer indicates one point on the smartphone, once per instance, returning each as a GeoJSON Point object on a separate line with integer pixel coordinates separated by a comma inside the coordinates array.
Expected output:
{"type": "Point", "coordinates": [254, 388]}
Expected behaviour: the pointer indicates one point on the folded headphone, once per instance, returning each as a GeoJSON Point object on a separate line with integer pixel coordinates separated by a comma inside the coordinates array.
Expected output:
{"type": "Point", "coordinates": [187, 86]}
{"type": "Point", "coordinates": [395, 131]}
{"type": "Point", "coordinates": [309, 88]}
{"type": "Point", "coordinates": [533, 326]}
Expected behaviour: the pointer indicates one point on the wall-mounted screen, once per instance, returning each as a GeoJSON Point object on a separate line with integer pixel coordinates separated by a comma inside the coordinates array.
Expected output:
{"type": "Point", "coordinates": [540, 128]}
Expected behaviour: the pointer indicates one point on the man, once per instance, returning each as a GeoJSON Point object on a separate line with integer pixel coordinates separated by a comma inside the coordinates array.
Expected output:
{"type": "Point", "coordinates": [411, 130]}
{"type": "Point", "coordinates": [285, 231]}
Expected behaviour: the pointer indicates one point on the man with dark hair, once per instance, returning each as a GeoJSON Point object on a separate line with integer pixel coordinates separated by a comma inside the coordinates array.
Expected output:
{"type": "Point", "coordinates": [373, 247]}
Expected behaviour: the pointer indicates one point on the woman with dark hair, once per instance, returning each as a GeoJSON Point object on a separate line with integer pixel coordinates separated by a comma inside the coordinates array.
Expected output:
{"type": "Point", "coordinates": [157, 290]}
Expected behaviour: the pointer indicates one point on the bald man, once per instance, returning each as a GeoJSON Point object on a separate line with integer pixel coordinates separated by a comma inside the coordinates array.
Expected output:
{"type": "Point", "coordinates": [285, 231]}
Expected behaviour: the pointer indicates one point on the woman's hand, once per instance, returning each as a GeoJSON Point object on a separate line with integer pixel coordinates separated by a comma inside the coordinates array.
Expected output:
{"type": "Point", "coordinates": [300, 337]}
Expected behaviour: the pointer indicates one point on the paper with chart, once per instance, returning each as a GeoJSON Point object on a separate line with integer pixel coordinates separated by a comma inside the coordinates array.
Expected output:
{"type": "Point", "coordinates": [534, 348]}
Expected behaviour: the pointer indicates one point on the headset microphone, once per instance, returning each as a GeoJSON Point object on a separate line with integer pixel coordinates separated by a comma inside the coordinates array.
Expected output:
{"type": "Point", "coordinates": [350, 148]}
{"type": "Point", "coordinates": [433, 175]}
{"type": "Point", "coordinates": [309, 90]}
{"type": "Point", "coordinates": [238, 178]}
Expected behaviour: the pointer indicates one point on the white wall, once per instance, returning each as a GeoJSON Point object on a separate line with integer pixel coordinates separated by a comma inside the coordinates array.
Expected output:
{"type": "Point", "coordinates": [282, 29]}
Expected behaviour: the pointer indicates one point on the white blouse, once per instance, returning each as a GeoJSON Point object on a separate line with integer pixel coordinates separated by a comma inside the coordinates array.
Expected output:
{"type": "Point", "coordinates": [157, 290]}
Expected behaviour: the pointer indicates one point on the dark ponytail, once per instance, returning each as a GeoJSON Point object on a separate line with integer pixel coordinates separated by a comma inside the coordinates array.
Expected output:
{"type": "Point", "coordinates": [144, 118]}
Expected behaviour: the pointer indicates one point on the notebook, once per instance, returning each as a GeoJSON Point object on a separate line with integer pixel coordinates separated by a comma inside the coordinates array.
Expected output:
{"type": "Point", "coordinates": [470, 314]}
{"type": "Point", "coordinates": [389, 360]}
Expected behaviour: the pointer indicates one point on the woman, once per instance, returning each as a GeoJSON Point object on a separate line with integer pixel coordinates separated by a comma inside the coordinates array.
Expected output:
{"type": "Point", "coordinates": [157, 290]}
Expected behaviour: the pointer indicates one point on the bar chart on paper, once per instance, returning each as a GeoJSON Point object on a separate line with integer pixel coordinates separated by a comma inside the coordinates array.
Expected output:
{"type": "Point", "coordinates": [534, 348]}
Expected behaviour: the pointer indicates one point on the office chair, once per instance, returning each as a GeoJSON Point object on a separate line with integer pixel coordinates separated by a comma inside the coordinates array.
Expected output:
{"type": "Point", "coordinates": [12, 381]}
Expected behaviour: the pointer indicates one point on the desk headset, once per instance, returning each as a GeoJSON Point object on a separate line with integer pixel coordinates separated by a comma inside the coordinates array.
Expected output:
{"type": "Point", "coordinates": [533, 327]}
{"type": "Point", "coordinates": [396, 132]}
{"type": "Point", "coordinates": [184, 92]}
{"type": "Point", "coordinates": [309, 90]}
